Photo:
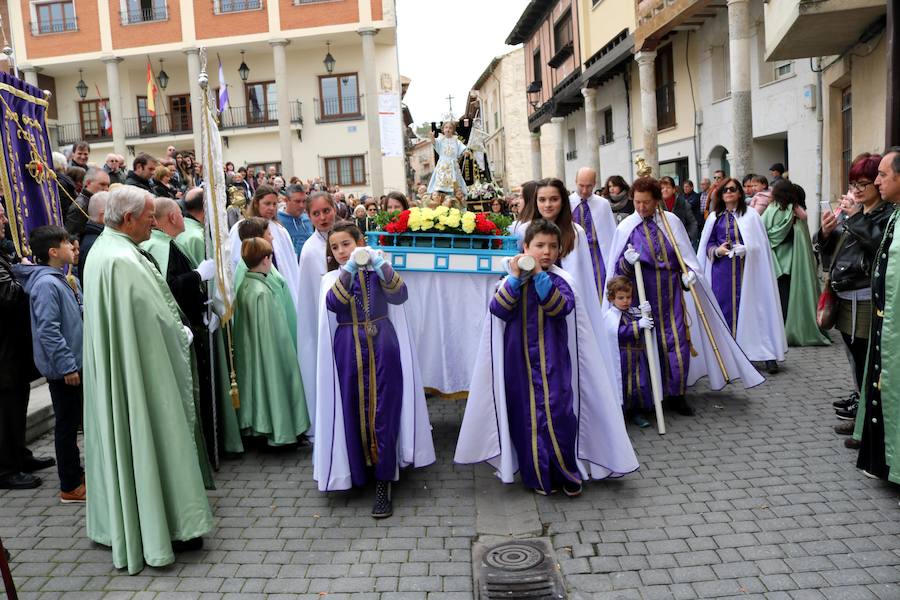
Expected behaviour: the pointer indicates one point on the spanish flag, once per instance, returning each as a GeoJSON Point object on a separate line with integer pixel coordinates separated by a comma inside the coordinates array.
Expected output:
{"type": "Point", "coordinates": [151, 91]}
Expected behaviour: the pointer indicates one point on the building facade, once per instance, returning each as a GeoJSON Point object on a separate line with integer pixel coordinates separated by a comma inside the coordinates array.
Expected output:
{"type": "Point", "coordinates": [498, 95]}
{"type": "Point", "coordinates": [341, 121]}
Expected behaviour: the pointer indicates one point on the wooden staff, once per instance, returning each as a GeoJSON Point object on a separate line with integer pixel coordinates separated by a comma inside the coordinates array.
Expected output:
{"type": "Point", "coordinates": [684, 270]}
{"type": "Point", "coordinates": [652, 353]}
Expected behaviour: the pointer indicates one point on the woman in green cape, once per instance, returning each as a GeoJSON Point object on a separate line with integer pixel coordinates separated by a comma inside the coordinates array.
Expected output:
{"type": "Point", "coordinates": [795, 266]}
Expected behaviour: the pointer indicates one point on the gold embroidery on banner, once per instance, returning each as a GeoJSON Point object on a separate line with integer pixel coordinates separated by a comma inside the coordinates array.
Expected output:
{"type": "Point", "coordinates": [24, 95]}
{"type": "Point", "coordinates": [531, 399]}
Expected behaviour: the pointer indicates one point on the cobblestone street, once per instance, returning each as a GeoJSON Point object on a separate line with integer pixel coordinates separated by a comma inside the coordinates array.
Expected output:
{"type": "Point", "coordinates": [755, 497]}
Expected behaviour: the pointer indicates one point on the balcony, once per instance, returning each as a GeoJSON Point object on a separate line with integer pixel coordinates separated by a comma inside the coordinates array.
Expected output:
{"type": "Point", "coordinates": [136, 128]}
{"type": "Point", "coordinates": [50, 26]}
{"type": "Point", "coordinates": [149, 14]}
{"type": "Point", "coordinates": [330, 110]}
{"type": "Point", "coordinates": [657, 18]}
{"type": "Point", "coordinates": [807, 28]}
{"type": "Point", "coordinates": [224, 7]}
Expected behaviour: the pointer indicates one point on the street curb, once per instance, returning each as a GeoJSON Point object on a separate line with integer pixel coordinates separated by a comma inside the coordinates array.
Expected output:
{"type": "Point", "coordinates": [40, 411]}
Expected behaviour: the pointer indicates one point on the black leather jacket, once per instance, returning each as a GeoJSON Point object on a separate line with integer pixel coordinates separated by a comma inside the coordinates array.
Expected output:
{"type": "Point", "coordinates": [851, 248]}
{"type": "Point", "coordinates": [16, 362]}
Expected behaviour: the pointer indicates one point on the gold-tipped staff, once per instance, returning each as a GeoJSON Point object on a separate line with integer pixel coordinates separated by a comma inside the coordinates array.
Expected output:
{"type": "Point", "coordinates": [684, 270]}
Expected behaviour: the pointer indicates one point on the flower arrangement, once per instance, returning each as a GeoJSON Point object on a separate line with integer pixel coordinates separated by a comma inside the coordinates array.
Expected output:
{"type": "Point", "coordinates": [443, 220]}
{"type": "Point", "coordinates": [482, 191]}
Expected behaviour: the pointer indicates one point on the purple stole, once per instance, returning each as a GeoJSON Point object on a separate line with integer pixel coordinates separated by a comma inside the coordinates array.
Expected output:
{"type": "Point", "coordinates": [582, 215]}
{"type": "Point", "coordinates": [727, 272]}
{"type": "Point", "coordinates": [538, 378]}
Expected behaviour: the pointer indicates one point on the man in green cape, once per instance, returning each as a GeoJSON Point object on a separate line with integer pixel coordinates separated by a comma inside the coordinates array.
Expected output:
{"type": "Point", "coordinates": [145, 492]}
{"type": "Point", "coordinates": [192, 242]}
{"type": "Point", "coordinates": [878, 417]}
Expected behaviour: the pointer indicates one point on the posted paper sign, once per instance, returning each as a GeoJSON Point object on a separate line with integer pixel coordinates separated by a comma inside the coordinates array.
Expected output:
{"type": "Point", "coordinates": [390, 120]}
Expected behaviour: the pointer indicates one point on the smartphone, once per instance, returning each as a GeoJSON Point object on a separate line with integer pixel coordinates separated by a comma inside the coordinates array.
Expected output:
{"type": "Point", "coordinates": [825, 206]}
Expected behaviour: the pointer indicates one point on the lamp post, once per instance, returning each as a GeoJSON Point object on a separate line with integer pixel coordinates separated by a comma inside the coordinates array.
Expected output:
{"type": "Point", "coordinates": [329, 59]}
{"type": "Point", "coordinates": [81, 86]}
{"type": "Point", "coordinates": [533, 91]}
{"type": "Point", "coordinates": [243, 69]}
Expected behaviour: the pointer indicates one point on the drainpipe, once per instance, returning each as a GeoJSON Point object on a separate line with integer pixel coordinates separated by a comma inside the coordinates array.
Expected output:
{"type": "Point", "coordinates": [820, 128]}
{"type": "Point", "coordinates": [626, 77]}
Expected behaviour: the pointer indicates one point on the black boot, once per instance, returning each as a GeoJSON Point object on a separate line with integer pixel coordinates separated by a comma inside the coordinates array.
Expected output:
{"type": "Point", "coordinates": [383, 507]}
{"type": "Point", "coordinates": [771, 367]}
{"type": "Point", "coordinates": [680, 405]}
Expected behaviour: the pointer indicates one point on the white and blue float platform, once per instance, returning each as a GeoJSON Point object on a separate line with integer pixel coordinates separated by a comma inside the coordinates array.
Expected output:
{"type": "Point", "coordinates": [445, 252]}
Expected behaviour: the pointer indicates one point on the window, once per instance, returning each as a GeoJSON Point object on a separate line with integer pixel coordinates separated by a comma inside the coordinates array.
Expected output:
{"type": "Point", "coordinates": [345, 170]}
{"type": "Point", "coordinates": [91, 118]}
{"type": "Point", "coordinates": [572, 154]}
{"type": "Point", "coordinates": [607, 136]}
{"type": "Point", "coordinates": [231, 6]}
{"type": "Point", "coordinates": [562, 31]}
{"type": "Point", "coordinates": [143, 11]}
{"type": "Point", "coordinates": [536, 66]}
{"type": "Point", "coordinates": [721, 71]}
{"type": "Point", "coordinates": [783, 68]}
{"type": "Point", "coordinates": [262, 102]}
{"type": "Point", "coordinates": [846, 134]}
{"type": "Point", "coordinates": [338, 97]}
{"type": "Point", "coordinates": [770, 71]}
{"type": "Point", "coordinates": [665, 88]}
{"type": "Point", "coordinates": [53, 17]}
{"type": "Point", "coordinates": [146, 121]}
{"type": "Point", "coordinates": [180, 113]}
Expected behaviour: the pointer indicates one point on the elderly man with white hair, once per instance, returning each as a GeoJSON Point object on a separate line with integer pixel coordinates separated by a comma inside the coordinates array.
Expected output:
{"type": "Point", "coordinates": [146, 498]}
{"type": "Point", "coordinates": [113, 167]}
{"type": "Point", "coordinates": [92, 230]}
{"type": "Point", "coordinates": [595, 216]}
{"type": "Point", "coordinates": [95, 180]}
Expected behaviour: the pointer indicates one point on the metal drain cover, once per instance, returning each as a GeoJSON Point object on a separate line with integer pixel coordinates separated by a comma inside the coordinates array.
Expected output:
{"type": "Point", "coordinates": [517, 569]}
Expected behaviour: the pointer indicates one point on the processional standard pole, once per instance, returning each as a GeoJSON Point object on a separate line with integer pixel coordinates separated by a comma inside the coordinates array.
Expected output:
{"type": "Point", "coordinates": [652, 353]}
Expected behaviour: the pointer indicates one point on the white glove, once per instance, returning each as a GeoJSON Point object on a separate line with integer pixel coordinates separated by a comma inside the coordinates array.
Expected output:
{"type": "Point", "coordinates": [644, 307]}
{"type": "Point", "coordinates": [632, 255]}
{"type": "Point", "coordinates": [189, 334]}
{"type": "Point", "coordinates": [206, 269]}
{"type": "Point", "coordinates": [212, 323]}
{"type": "Point", "coordinates": [645, 322]}
{"type": "Point", "coordinates": [688, 279]}
{"type": "Point", "coordinates": [739, 250]}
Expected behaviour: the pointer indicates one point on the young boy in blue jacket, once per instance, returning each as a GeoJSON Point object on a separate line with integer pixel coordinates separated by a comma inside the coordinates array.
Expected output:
{"type": "Point", "coordinates": [56, 328]}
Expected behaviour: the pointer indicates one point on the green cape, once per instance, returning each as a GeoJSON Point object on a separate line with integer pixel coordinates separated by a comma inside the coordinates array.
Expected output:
{"type": "Point", "coordinates": [890, 346]}
{"type": "Point", "coordinates": [145, 490]}
{"type": "Point", "coordinates": [192, 240]}
{"type": "Point", "coordinates": [272, 400]}
{"type": "Point", "coordinates": [279, 285]}
{"type": "Point", "coordinates": [793, 256]}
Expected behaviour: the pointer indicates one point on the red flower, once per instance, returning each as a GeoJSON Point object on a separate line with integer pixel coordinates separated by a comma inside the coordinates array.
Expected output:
{"type": "Point", "coordinates": [382, 240]}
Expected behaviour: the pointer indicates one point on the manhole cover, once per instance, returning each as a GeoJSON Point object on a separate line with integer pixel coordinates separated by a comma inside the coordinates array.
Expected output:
{"type": "Point", "coordinates": [517, 569]}
{"type": "Point", "coordinates": [513, 557]}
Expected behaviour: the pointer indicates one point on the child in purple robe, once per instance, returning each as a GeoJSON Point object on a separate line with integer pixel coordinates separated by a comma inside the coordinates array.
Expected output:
{"type": "Point", "coordinates": [629, 326]}
{"type": "Point", "coordinates": [537, 365]}
{"type": "Point", "coordinates": [367, 359]}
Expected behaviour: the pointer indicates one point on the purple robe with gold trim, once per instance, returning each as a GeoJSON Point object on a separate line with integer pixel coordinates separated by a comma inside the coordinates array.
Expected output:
{"type": "Point", "coordinates": [636, 392]}
{"type": "Point", "coordinates": [662, 282]}
{"type": "Point", "coordinates": [727, 272]}
{"type": "Point", "coordinates": [368, 369]}
{"type": "Point", "coordinates": [538, 378]}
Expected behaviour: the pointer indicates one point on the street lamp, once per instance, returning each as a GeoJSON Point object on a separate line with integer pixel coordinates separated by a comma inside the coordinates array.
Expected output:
{"type": "Point", "coordinates": [533, 90]}
{"type": "Point", "coordinates": [329, 59]}
{"type": "Point", "coordinates": [163, 77]}
{"type": "Point", "coordinates": [81, 86]}
{"type": "Point", "coordinates": [243, 70]}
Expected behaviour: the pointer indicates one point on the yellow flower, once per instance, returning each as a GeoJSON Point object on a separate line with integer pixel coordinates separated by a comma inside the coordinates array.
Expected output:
{"type": "Point", "coordinates": [468, 222]}
{"type": "Point", "coordinates": [441, 210]}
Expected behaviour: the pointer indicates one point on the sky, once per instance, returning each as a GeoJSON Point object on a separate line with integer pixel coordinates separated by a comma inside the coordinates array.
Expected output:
{"type": "Point", "coordinates": [445, 45]}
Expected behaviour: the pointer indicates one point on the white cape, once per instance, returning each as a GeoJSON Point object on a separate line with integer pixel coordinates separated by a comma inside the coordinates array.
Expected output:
{"type": "Point", "coordinates": [602, 446]}
{"type": "Point", "coordinates": [604, 221]}
{"type": "Point", "coordinates": [704, 364]}
{"type": "Point", "coordinates": [577, 264]}
{"type": "Point", "coordinates": [312, 268]}
{"type": "Point", "coordinates": [760, 328]}
{"type": "Point", "coordinates": [331, 465]}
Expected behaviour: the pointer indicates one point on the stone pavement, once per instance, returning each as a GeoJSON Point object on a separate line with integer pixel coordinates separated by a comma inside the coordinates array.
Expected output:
{"type": "Point", "coordinates": [755, 497]}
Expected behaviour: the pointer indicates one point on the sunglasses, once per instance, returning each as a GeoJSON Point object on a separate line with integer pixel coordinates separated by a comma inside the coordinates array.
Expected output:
{"type": "Point", "coordinates": [730, 189]}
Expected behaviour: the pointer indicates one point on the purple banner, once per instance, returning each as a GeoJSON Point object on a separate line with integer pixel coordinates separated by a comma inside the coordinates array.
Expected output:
{"type": "Point", "coordinates": [27, 180]}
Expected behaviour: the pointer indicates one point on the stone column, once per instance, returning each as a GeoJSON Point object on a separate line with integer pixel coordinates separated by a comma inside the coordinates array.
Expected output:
{"type": "Point", "coordinates": [559, 126]}
{"type": "Point", "coordinates": [115, 103]}
{"type": "Point", "coordinates": [739, 31]}
{"type": "Point", "coordinates": [284, 107]}
{"type": "Point", "coordinates": [646, 70]}
{"type": "Point", "coordinates": [592, 129]}
{"type": "Point", "coordinates": [370, 85]}
{"type": "Point", "coordinates": [193, 61]}
{"type": "Point", "coordinates": [535, 155]}
{"type": "Point", "coordinates": [31, 74]}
